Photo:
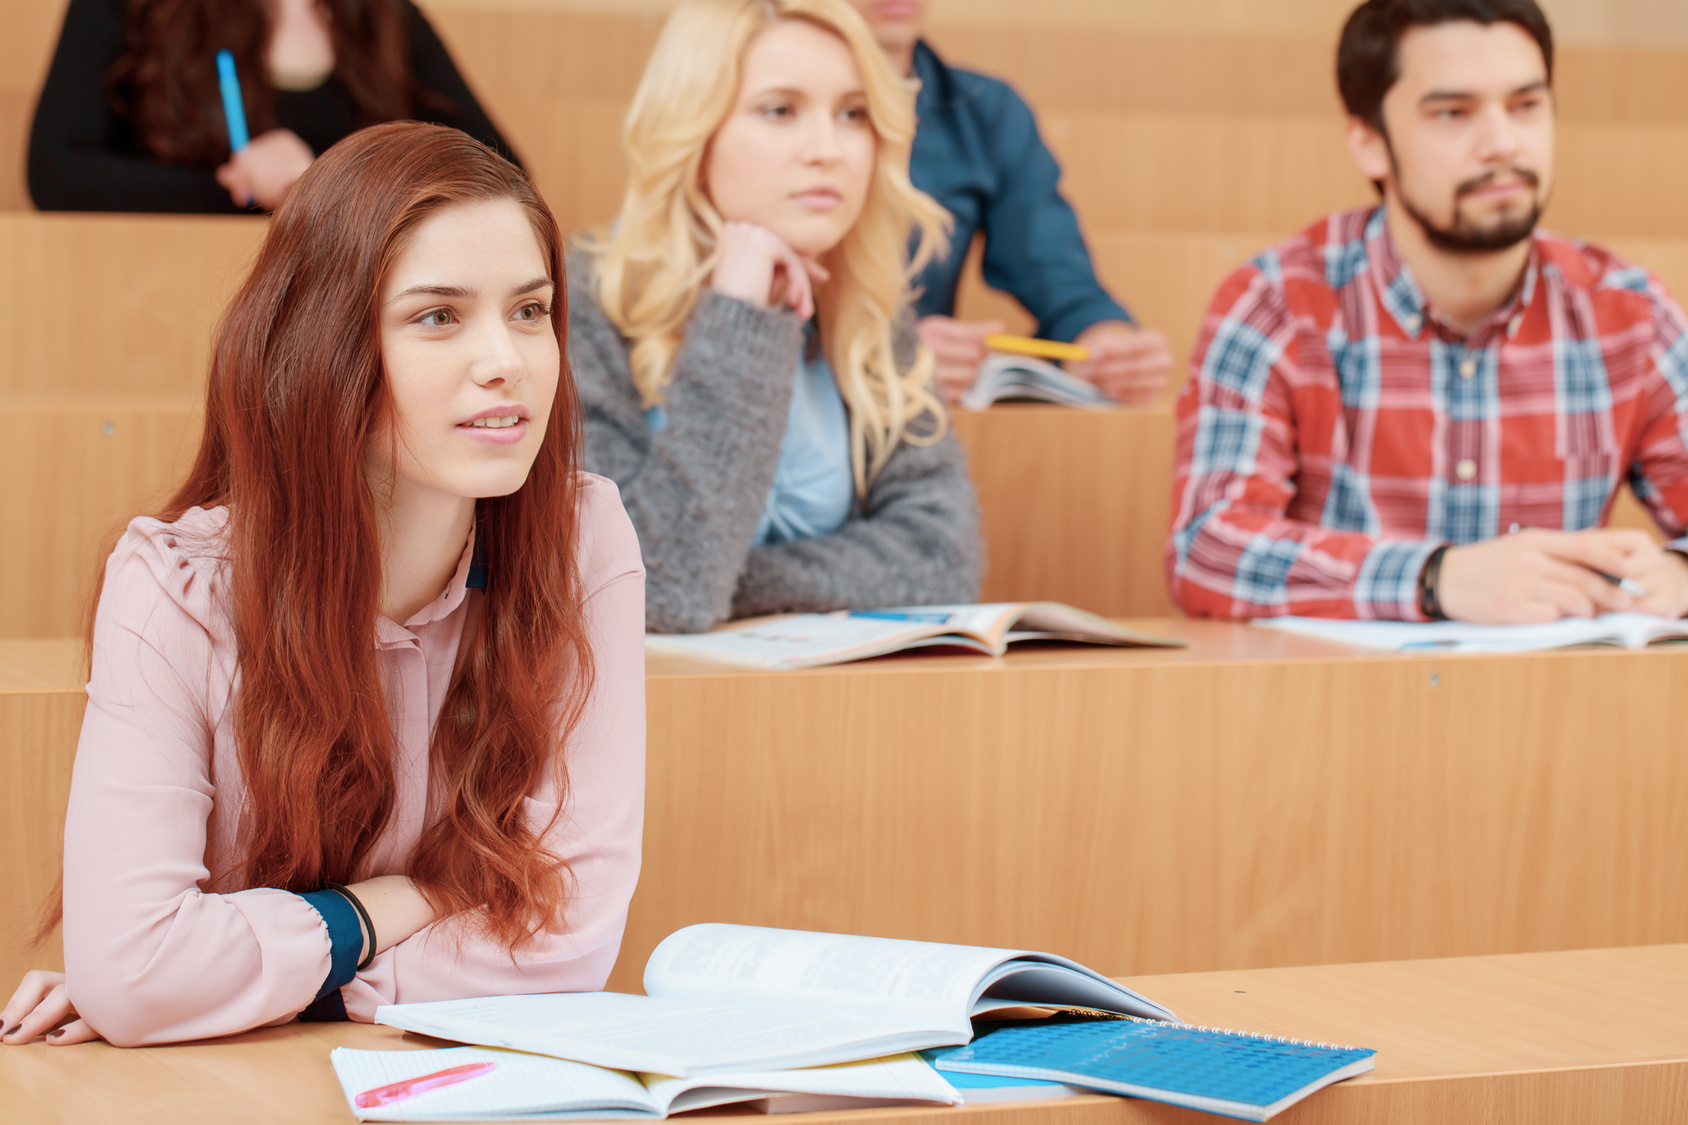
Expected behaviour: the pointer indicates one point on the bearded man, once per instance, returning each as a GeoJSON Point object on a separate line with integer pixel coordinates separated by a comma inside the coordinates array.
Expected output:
{"type": "Point", "coordinates": [1424, 410]}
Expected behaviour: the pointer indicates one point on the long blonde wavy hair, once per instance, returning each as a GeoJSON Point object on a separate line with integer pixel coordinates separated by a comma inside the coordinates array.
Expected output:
{"type": "Point", "coordinates": [651, 263]}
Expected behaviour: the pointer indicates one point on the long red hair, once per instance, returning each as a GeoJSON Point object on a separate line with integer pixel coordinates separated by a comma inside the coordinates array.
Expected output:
{"type": "Point", "coordinates": [295, 396]}
{"type": "Point", "coordinates": [166, 78]}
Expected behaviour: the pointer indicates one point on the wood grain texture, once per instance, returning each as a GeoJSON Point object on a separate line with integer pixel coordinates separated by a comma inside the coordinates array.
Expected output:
{"type": "Point", "coordinates": [116, 304]}
{"type": "Point", "coordinates": [1251, 801]}
{"type": "Point", "coordinates": [41, 703]}
{"type": "Point", "coordinates": [75, 473]}
{"type": "Point", "coordinates": [1149, 812]}
{"type": "Point", "coordinates": [163, 282]}
{"type": "Point", "coordinates": [1073, 503]}
{"type": "Point", "coordinates": [1584, 1038]}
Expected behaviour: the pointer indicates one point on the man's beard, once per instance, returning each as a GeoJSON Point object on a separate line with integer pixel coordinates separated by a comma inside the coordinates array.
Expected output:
{"type": "Point", "coordinates": [1464, 237]}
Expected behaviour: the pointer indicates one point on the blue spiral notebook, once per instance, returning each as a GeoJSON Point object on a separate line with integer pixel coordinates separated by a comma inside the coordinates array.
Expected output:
{"type": "Point", "coordinates": [1233, 1073]}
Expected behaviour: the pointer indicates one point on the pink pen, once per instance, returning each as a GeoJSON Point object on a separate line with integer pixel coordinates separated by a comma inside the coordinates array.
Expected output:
{"type": "Point", "coordinates": [410, 1087]}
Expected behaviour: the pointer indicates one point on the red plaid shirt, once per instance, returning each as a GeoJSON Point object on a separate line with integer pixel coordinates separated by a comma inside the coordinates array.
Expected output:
{"type": "Point", "coordinates": [1334, 432]}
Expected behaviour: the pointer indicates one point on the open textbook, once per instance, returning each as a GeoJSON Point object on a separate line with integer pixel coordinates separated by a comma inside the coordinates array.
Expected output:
{"type": "Point", "coordinates": [1004, 377]}
{"type": "Point", "coordinates": [1617, 630]}
{"type": "Point", "coordinates": [540, 1088]}
{"type": "Point", "coordinates": [723, 997]}
{"type": "Point", "coordinates": [807, 640]}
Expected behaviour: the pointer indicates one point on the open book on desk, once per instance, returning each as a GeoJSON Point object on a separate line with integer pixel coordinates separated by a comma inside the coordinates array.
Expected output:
{"type": "Point", "coordinates": [1005, 378]}
{"type": "Point", "coordinates": [1615, 630]}
{"type": "Point", "coordinates": [538, 1088]}
{"type": "Point", "coordinates": [809, 640]}
{"type": "Point", "coordinates": [723, 997]}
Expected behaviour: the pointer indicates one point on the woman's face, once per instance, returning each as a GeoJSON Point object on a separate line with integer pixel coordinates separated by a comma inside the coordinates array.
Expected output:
{"type": "Point", "coordinates": [796, 153]}
{"type": "Point", "coordinates": [468, 352]}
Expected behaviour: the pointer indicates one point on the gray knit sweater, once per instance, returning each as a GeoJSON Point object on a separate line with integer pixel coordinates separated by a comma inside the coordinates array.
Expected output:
{"type": "Point", "coordinates": [696, 490]}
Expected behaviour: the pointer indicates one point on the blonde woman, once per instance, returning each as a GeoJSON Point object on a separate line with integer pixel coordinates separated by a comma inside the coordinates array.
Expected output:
{"type": "Point", "coordinates": [741, 334]}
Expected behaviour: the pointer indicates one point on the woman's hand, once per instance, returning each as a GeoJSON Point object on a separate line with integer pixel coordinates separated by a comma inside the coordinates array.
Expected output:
{"type": "Point", "coordinates": [395, 906]}
{"type": "Point", "coordinates": [758, 266]}
{"type": "Point", "coordinates": [262, 172]}
{"type": "Point", "coordinates": [41, 1006]}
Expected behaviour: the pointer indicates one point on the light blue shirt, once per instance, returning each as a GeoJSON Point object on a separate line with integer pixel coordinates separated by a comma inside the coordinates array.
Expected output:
{"type": "Point", "coordinates": [814, 486]}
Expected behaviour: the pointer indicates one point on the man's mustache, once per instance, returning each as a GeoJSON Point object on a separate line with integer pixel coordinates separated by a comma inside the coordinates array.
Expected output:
{"type": "Point", "coordinates": [1487, 178]}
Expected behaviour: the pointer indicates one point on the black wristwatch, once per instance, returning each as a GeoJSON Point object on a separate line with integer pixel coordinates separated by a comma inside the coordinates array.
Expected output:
{"type": "Point", "coordinates": [1428, 603]}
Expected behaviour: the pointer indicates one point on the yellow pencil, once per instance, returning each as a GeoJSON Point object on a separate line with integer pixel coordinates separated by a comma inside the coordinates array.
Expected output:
{"type": "Point", "coordinates": [1043, 349]}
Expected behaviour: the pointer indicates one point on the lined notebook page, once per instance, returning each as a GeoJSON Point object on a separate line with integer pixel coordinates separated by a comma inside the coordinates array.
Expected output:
{"type": "Point", "coordinates": [532, 1086]}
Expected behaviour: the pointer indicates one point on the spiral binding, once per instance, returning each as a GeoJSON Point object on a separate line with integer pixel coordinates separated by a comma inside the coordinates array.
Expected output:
{"type": "Point", "coordinates": [1274, 1038]}
{"type": "Point", "coordinates": [1095, 1014]}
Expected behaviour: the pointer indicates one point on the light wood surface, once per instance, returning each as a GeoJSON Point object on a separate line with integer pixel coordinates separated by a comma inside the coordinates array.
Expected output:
{"type": "Point", "coordinates": [116, 304]}
{"type": "Point", "coordinates": [1254, 800]}
{"type": "Point", "coordinates": [160, 283]}
{"type": "Point", "coordinates": [75, 473]}
{"type": "Point", "coordinates": [1237, 804]}
{"type": "Point", "coordinates": [1074, 503]}
{"type": "Point", "coordinates": [1581, 1038]}
{"type": "Point", "coordinates": [40, 717]}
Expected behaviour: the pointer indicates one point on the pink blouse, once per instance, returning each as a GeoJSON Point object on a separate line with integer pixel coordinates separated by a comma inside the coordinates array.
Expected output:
{"type": "Point", "coordinates": [161, 945]}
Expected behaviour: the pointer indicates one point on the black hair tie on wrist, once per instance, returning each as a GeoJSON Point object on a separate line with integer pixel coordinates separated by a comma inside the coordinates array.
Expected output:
{"type": "Point", "coordinates": [368, 922]}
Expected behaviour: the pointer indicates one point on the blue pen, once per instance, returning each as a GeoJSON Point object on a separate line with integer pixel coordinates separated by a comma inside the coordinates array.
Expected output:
{"type": "Point", "coordinates": [234, 109]}
{"type": "Point", "coordinates": [893, 615]}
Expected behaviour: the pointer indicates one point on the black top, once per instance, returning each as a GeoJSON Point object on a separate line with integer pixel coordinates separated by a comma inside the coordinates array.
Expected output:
{"type": "Point", "coordinates": [84, 155]}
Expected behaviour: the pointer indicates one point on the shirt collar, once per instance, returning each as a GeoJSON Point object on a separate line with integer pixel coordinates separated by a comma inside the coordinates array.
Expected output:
{"type": "Point", "coordinates": [454, 594]}
{"type": "Point", "coordinates": [933, 77]}
{"type": "Point", "coordinates": [1401, 296]}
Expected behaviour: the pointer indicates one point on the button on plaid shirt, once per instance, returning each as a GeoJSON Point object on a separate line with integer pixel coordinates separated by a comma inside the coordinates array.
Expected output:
{"type": "Point", "coordinates": [1334, 432]}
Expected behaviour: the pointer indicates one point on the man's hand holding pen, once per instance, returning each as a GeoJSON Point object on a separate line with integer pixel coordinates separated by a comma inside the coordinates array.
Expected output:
{"type": "Point", "coordinates": [1535, 576]}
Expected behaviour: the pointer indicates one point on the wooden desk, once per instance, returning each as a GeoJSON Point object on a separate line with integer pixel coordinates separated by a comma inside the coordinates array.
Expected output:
{"type": "Point", "coordinates": [1074, 502]}
{"type": "Point", "coordinates": [1254, 800]}
{"type": "Point", "coordinates": [1580, 1038]}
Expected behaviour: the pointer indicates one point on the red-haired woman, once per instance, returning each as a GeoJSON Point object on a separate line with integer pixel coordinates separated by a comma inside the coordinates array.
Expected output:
{"type": "Point", "coordinates": [130, 118]}
{"type": "Point", "coordinates": [366, 715]}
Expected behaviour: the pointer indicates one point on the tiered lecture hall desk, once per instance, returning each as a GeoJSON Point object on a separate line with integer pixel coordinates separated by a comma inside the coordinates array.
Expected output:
{"type": "Point", "coordinates": [1591, 1037]}
{"type": "Point", "coordinates": [1255, 800]}
{"type": "Point", "coordinates": [101, 387]}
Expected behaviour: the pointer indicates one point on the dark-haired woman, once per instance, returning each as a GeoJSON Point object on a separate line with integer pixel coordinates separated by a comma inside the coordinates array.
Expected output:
{"type": "Point", "coordinates": [366, 714]}
{"type": "Point", "coordinates": [131, 118]}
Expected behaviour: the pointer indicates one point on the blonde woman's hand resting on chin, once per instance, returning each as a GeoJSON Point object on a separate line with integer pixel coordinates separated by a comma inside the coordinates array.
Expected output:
{"type": "Point", "coordinates": [1536, 576]}
{"type": "Point", "coordinates": [1127, 363]}
{"type": "Point", "coordinates": [958, 347]}
{"type": "Point", "coordinates": [262, 172]}
{"type": "Point", "coordinates": [758, 266]}
{"type": "Point", "coordinates": [41, 1005]}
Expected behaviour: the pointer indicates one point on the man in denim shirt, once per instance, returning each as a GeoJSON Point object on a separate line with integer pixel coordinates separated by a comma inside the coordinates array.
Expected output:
{"type": "Point", "coordinates": [979, 154]}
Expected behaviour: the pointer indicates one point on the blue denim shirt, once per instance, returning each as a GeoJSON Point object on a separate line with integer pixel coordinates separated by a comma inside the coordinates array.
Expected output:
{"type": "Point", "coordinates": [978, 153]}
